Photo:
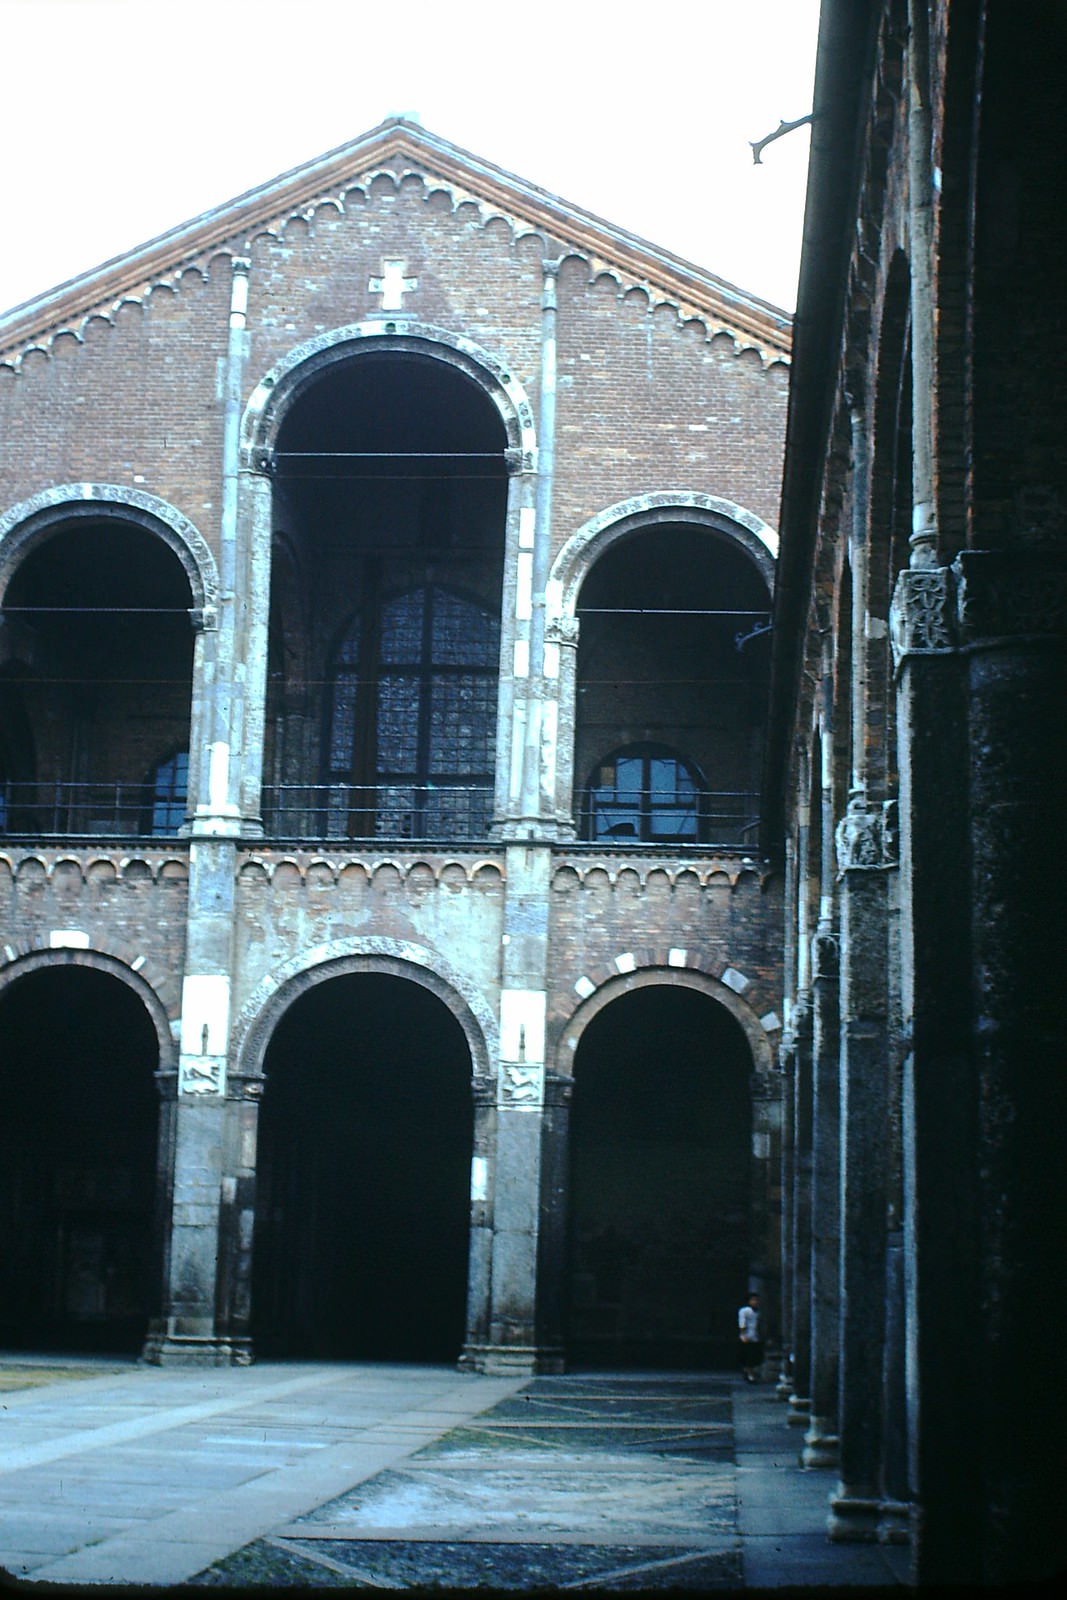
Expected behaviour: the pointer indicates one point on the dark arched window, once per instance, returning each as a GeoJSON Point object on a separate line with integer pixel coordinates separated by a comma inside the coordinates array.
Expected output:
{"type": "Point", "coordinates": [644, 792]}
{"type": "Point", "coordinates": [167, 794]}
{"type": "Point", "coordinates": [413, 716]}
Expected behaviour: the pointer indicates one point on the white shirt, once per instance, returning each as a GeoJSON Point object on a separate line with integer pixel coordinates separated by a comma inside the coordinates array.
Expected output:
{"type": "Point", "coordinates": [748, 1324]}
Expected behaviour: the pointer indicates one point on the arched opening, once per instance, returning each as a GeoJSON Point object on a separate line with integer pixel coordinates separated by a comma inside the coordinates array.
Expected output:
{"type": "Point", "coordinates": [646, 792]}
{"type": "Point", "coordinates": [660, 1151]}
{"type": "Point", "coordinates": [389, 507]}
{"type": "Point", "coordinates": [79, 1251]}
{"type": "Point", "coordinates": [363, 1179]}
{"type": "Point", "coordinates": [673, 657]}
{"type": "Point", "coordinates": [100, 667]}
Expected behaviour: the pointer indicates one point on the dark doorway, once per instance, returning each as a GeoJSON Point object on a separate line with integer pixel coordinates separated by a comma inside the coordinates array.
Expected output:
{"type": "Point", "coordinates": [660, 1152]}
{"type": "Point", "coordinates": [363, 1185]}
{"type": "Point", "coordinates": [79, 1258]}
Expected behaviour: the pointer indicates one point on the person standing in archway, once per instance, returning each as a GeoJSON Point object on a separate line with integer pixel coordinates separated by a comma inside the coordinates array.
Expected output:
{"type": "Point", "coordinates": [748, 1327]}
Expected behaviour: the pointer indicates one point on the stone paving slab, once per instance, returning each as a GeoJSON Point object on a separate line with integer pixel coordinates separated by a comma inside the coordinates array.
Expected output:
{"type": "Point", "coordinates": [410, 1477]}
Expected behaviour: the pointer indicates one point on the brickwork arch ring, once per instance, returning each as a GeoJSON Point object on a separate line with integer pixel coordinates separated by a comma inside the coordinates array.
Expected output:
{"type": "Point", "coordinates": [588, 543]}
{"type": "Point", "coordinates": [276, 390]}
{"type": "Point", "coordinates": [257, 1020]}
{"type": "Point", "coordinates": [33, 521]}
{"type": "Point", "coordinates": [659, 978]}
{"type": "Point", "coordinates": [56, 960]}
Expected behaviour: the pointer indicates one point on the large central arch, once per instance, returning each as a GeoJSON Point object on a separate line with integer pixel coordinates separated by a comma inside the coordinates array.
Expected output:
{"type": "Point", "coordinates": [391, 466]}
{"type": "Point", "coordinates": [362, 1230]}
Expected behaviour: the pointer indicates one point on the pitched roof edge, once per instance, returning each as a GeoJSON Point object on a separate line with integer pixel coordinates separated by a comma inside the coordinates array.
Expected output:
{"type": "Point", "coordinates": [569, 225]}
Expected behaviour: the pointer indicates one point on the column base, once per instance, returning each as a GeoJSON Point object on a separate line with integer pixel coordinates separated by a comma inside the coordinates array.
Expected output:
{"type": "Point", "coordinates": [820, 1445]}
{"type": "Point", "coordinates": [799, 1412]}
{"type": "Point", "coordinates": [860, 1519]}
{"type": "Point", "coordinates": [166, 1349]}
{"type": "Point", "coordinates": [853, 1519]}
{"type": "Point", "coordinates": [510, 1360]}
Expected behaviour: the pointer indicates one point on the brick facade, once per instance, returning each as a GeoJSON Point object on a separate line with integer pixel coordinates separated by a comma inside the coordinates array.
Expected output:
{"type": "Point", "coordinates": [394, 404]}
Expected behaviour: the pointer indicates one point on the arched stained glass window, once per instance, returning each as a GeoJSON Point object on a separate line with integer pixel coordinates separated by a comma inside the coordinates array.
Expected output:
{"type": "Point", "coordinates": [644, 792]}
{"type": "Point", "coordinates": [413, 717]}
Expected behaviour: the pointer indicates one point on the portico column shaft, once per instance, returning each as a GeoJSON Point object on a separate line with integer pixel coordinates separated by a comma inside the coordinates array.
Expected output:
{"type": "Point", "coordinates": [820, 1441]}
{"type": "Point", "coordinates": [942, 1244]}
{"type": "Point", "coordinates": [800, 1399]}
{"type": "Point", "coordinates": [865, 1151]}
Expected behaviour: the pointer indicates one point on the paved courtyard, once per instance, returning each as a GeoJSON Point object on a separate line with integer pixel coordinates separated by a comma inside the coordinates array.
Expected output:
{"type": "Point", "coordinates": [402, 1477]}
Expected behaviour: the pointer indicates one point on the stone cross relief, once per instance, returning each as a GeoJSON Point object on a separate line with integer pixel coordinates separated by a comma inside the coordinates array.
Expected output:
{"type": "Point", "coordinates": [392, 285]}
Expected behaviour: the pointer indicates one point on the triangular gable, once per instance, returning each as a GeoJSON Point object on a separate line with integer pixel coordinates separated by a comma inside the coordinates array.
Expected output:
{"type": "Point", "coordinates": [400, 147]}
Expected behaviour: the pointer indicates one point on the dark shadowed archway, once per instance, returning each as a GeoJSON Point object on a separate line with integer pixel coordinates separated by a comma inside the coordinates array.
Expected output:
{"type": "Point", "coordinates": [79, 1252]}
{"type": "Point", "coordinates": [363, 1186]}
{"type": "Point", "coordinates": [660, 1182]}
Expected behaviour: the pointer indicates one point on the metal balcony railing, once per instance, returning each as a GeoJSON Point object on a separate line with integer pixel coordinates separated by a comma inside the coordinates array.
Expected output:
{"type": "Point", "coordinates": [115, 809]}
{"type": "Point", "coordinates": [426, 812]}
{"type": "Point", "coordinates": [645, 816]}
{"type": "Point", "coordinates": [420, 811]}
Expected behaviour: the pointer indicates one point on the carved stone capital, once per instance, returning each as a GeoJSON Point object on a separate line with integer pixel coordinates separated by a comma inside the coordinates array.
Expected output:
{"type": "Point", "coordinates": [559, 1089]}
{"type": "Point", "coordinates": [922, 617]}
{"type": "Point", "coordinates": [803, 1018]}
{"type": "Point", "coordinates": [244, 1086]}
{"type": "Point", "coordinates": [1006, 594]}
{"type": "Point", "coordinates": [866, 836]}
{"type": "Point", "coordinates": [562, 631]}
{"type": "Point", "coordinates": [825, 956]}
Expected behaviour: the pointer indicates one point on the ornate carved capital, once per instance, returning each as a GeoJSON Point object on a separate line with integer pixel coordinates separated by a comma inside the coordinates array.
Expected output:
{"type": "Point", "coordinates": [922, 615]}
{"type": "Point", "coordinates": [244, 1086]}
{"type": "Point", "coordinates": [866, 836]}
{"type": "Point", "coordinates": [1006, 594]}
{"type": "Point", "coordinates": [562, 631]}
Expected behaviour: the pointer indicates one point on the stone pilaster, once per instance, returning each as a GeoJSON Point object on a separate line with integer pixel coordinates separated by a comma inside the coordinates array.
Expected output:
{"type": "Point", "coordinates": [516, 1179]}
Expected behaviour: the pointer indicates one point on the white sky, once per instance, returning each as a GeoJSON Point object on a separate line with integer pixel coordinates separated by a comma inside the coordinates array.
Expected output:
{"type": "Point", "coordinates": [120, 119]}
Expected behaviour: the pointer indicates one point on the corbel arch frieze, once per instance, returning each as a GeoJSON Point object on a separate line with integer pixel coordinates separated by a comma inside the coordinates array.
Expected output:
{"type": "Point", "coordinates": [399, 958]}
{"type": "Point", "coordinates": [278, 388]}
{"type": "Point", "coordinates": [30, 523]}
{"type": "Point", "coordinates": [589, 542]}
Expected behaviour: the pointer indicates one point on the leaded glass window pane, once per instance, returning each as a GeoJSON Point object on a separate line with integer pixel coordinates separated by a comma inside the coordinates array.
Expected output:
{"type": "Point", "coordinates": [464, 635]}
{"type": "Point", "coordinates": [461, 723]}
{"type": "Point", "coordinates": [343, 729]}
{"type": "Point", "coordinates": [402, 629]}
{"type": "Point", "coordinates": [398, 723]}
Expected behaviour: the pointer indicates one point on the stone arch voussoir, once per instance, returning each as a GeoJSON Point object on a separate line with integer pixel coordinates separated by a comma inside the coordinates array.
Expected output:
{"type": "Point", "coordinates": [43, 960]}
{"type": "Point", "coordinates": [33, 521]}
{"type": "Point", "coordinates": [278, 388]}
{"type": "Point", "coordinates": [613, 987]}
{"type": "Point", "coordinates": [589, 542]}
{"type": "Point", "coordinates": [258, 1018]}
